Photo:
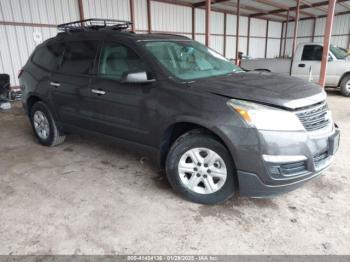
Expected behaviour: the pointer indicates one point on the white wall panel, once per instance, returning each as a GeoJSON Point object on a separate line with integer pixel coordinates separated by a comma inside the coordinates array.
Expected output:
{"type": "Point", "coordinates": [257, 37]}
{"type": "Point", "coordinates": [305, 27]}
{"type": "Point", "coordinates": [39, 11]}
{"type": "Point", "coordinates": [231, 24]}
{"type": "Point", "coordinates": [217, 43]}
{"type": "Point", "coordinates": [217, 23]}
{"type": "Point", "coordinates": [171, 18]}
{"type": "Point", "coordinates": [242, 46]}
{"type": "Point", "coordinates": [257, 27]}
{"type": "Point", "coordinates": [243, 26]}
{"type": "Point", "coordinates": [200, 38]}
{"type": "Point", "coordinates": [230, 47]}
{"type": "Point", "coordinates": [113, 9]}
{"type": "Point", "coordinates": [341, 24]}
{"type": "Point", "coordinates": [141, 22]}
{"type": "Point", "coordinates": [275, 29]}
{"type": "Point", "coordinates": [320, 26]}
{"type": "Point", "coordinates": [273, 43]}
{"type": "Point", "coordinates": [273, 48]}
{"type": "Point", "coordinates": [16, 45]}
{"type": "Point", "coordinates": [257, 47]}
{"type": "Point", "coordinates": [200, 21]}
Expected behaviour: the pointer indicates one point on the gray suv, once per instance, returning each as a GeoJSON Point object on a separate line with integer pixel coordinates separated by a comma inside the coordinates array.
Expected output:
{"type": "Point", "coordinates": [216, 129]}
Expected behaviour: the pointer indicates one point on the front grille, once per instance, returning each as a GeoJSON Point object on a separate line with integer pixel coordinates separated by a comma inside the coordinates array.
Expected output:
{"type": "Point", "coordinates": [314, 117]}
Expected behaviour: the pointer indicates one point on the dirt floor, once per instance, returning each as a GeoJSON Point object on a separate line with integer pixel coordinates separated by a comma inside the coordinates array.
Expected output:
{"type": "Point", "coordinates": [90, 197]}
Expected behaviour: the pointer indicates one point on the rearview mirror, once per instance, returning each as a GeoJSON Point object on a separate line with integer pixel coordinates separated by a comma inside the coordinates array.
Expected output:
{"type": "Point", "coordinates": [137, 78]}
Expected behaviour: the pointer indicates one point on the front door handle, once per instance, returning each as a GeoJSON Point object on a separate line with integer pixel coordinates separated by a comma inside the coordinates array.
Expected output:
{"type": "Point", "coordinates": [55, 84]}
{"type": "Point", "coordinates": [301, 65]}
{"type": "Point", "coordinates": [99, 92]}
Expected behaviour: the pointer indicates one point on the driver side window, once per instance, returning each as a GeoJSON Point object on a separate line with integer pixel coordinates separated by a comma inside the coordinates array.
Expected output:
{"type": "Point", "coordinates": [117, 59]}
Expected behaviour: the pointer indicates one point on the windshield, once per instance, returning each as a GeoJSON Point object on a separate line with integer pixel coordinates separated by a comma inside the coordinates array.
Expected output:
{"type": "Point", "coordinates": [190, 60]}
{"type": "Point", "coordinates": [339, 53]}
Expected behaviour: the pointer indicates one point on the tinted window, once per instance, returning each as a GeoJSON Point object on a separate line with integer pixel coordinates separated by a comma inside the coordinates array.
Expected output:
{"type": "Point", "coordinates": [78, 57]}
{"type": "Point", "coordinates": [48, 56]}
{"type": "Point", "coordinates": [117, 59]}
{"type": "Point", "coordinates": [312, 53]}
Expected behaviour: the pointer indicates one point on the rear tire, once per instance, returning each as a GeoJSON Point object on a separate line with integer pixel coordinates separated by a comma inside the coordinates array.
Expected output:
{"type": "Point", "coordinates": [187, 165]}
{"type": "Point", "coordinates": [44, 125]}
{"type": "Point", "coordinates": [345, 86]}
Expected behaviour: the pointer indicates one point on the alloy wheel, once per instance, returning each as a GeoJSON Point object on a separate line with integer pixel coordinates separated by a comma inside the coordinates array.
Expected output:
{"type": "Point", "coordinates": [41, 125]}
{"type": "Point", "coordinates": [202, 170]}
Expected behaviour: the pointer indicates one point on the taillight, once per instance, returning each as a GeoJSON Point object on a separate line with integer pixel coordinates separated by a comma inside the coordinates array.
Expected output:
{"type": "Point", "coordinates": [20, 72]}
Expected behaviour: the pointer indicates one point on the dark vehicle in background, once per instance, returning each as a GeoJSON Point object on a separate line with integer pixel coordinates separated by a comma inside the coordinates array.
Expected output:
{"type": "Point", "coordinates": [216, 129]}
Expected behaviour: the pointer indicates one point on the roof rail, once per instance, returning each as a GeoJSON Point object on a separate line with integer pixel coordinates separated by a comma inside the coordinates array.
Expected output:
{"type": "Point", "coordinates": [95, 24]}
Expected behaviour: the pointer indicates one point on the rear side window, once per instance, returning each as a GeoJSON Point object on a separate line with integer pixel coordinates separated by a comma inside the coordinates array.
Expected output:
{"type": "Point", "coordinates": [312, 53]}
{"type": "Point", "coordinates": [48, 56]}
{"type": "Point", "coordinates": [78, 57]}
{"type": "Point", "coordinates": [117, 59]}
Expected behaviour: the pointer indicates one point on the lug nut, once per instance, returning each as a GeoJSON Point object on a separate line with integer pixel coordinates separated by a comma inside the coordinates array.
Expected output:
{"type": "Point", "coordinates": [205, 176]}
{"type": "Point", "coordinates": [205, 165]}
{"type": "Point", "coordinates": [195, 169]}
{"type": "Point", "coordinates": [208, 171]}
{"type": "Point", "coordinates": [198, 175]}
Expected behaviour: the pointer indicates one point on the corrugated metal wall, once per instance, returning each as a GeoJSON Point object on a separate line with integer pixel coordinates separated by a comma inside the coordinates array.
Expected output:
{"type": "Point", "coordinates": [231, 35]}
{"type": "Point", "coordinates": [112, 9]}
{"type": "Point", "coordinates": [18, 41]}
{"type": "Point", "coordinates": [340, 33]}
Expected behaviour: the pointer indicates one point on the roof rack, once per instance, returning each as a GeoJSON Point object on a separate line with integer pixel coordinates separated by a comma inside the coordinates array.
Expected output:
{"type": "Point", "coordinates": [95, 24]}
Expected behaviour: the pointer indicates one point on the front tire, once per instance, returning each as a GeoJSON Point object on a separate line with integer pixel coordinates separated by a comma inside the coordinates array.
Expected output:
{"type": "Point", "coordinates": [345, 86]}
{"type": "Point", "coordinates": [44, 125]}
{"type": "Point", "coordinates": [200, 168]}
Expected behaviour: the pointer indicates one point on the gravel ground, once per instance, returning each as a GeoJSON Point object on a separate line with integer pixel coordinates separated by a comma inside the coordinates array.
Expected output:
{"type": "Point", "coordinates": [90, 197]}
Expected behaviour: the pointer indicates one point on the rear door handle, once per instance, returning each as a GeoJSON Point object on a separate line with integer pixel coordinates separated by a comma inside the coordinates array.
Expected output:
{"type": "Point", "coordinates": [99, 92]}
{"type": "Point", "coordinates": [55, 84]}
{"type": "Point", "coordinates": [301, 65]}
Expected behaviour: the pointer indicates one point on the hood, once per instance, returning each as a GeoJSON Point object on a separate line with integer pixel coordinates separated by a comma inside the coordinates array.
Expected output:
{"type": "Point", "coordinates": [266, 88]}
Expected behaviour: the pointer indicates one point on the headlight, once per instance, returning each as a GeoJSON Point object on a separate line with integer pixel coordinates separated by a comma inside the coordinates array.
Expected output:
{"type": "Point", "coordinates": [265, 117]}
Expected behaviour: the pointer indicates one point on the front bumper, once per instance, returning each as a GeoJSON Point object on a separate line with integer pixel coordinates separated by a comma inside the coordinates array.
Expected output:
{"type": "Point", "coordinates": [283, 161]}
{"type": "Point", "coordinates": [250, 185]}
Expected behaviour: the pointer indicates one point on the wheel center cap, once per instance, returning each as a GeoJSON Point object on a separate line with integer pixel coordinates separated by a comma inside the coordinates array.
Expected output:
{"type": "Point", "coordinates": [202, 170]}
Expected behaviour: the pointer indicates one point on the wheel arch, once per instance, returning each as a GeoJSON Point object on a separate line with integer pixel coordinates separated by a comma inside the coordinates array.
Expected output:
{"type": "Point", "coordinates": [178, 128]}
{"type": "Point", "coordinates": [34, 98]}
{"type": "Point", "coordinates": [31, 100]}
{"type": "Point", "coordinates": [342, 77]}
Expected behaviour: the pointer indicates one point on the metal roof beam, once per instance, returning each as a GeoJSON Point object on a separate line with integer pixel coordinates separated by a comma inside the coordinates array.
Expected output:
{"type": "Point", "coordinates": [303, 6]}
{"type": "Point", "coordinates": [282, 6]}
{"type": "Point", "coordinates": [200, 4]}
{"type": "Point", "coordinates": [254, 9]}
{"type": "Point", "coordinates": [322, 9]}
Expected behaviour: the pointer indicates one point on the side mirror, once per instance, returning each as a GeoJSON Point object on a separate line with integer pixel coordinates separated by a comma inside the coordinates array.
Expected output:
{"type": "Point", "coordinates": [137, 78]}
{"type": "Point", "coordinates": [330, 58]}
